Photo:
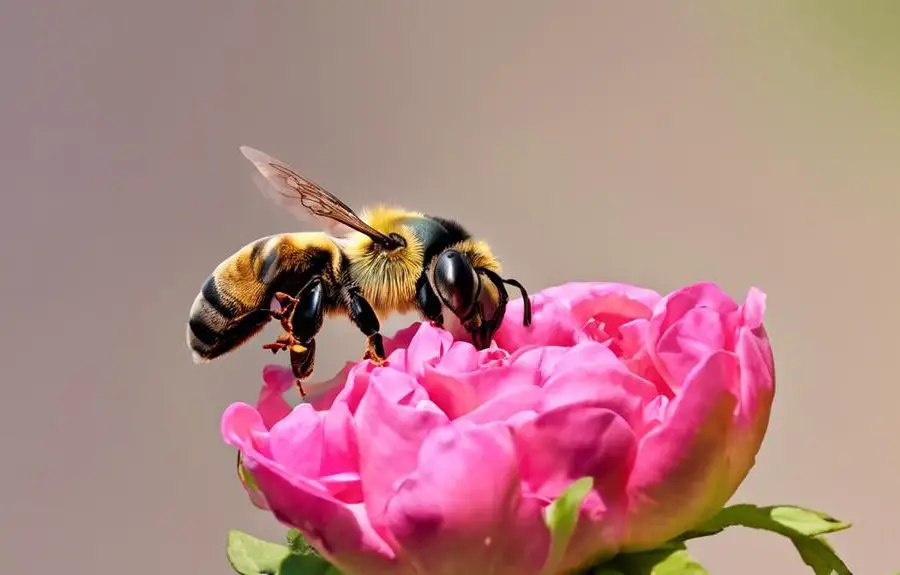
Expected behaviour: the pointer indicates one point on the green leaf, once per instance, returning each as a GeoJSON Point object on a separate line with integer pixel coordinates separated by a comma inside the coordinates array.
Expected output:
{"type": "Point", "coordinates": [804, 527]}
{"type": "Point", "coordinates": [818, 554]}
{"type": "Point", "coordinates": [788, 520]}
{"type": "Point", "coordinates": [246, 476]}
{"type": "Point", "coordinates": [251, 556]}
{"type": "Point", "coordinates": [672, 559]}
{"type": "Point", "coordinates": [561, 517]}
{"type": "Point", "coordinates": [298, 545]}
{"type": "Point", "coordinates": [806, 521]}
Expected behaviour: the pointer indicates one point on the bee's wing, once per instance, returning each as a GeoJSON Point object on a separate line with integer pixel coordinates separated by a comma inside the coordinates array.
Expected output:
{"type": "Point", "coordinates": [307, 200]}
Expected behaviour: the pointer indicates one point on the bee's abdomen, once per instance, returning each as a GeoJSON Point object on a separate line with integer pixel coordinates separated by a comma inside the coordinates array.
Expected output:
{"type": "Point", "coordinates": [218, 323]}
{"type": "Point", "coordinates": [233, 303]}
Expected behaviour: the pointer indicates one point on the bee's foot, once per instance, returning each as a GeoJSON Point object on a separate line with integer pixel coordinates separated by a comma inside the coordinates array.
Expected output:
{"type": "Point", "coordinates": [373, 357]}
{"type": "Point", "coordinates": [275, 347]}
{"type": "Point", "coordinates": [375, 349]}
{"type": "Point", "coordinates": [300, 388]}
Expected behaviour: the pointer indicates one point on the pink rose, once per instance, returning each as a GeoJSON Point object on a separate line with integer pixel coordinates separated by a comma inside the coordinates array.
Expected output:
{"type": "Point", "coordinates": [443, 460]}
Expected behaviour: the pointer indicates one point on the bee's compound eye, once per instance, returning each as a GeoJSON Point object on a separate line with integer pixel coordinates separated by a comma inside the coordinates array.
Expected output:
{"type": "Point", "coordinates": [456, 282]}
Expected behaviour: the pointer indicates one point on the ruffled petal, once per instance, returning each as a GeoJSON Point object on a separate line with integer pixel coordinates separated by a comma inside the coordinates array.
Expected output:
{"type": "Point", "coordinates": [462, 510]}
{"type": "Point", "coordinates": [552, 325]}
{"type": "Point", "coordinates": [320, 445]}
{"type": "Point", "coordinates": [687, 342]}
{"type": "Point", "coordinates": [297, 442]}
{"type": "Point", "coordinates": [322, 395]}
{"type": "Point", "coordinates": [681, 470]}
{"type": "Point", "coordinates": [341, 532]}
{"type": "Point", "coordinates": [277, 380]}
{"type": "Point", "coordinates": [756, 391]}
{"type": "Point", "coordinates": [560, 313]}
{"type": "Point", "coordinates": [589, 373]}
{"type": "Point", "coordinates": [495, 376]}
{"type": "Point", "coordinates": [391, 438]}
{"type": "Point", "coordinates": [752, 313]}
{"type": "Point", "coordinates": [567, 443]}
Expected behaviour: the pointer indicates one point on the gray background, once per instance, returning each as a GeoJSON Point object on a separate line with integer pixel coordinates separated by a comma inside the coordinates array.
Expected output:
{"type": "Point", "coordinates": [655, 143]}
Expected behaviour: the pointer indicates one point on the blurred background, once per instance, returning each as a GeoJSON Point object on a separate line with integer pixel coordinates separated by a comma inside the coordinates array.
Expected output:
{"type": "Point", "coordinates": [653, 143]}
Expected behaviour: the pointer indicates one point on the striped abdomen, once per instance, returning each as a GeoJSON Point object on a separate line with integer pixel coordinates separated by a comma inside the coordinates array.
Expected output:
{"type": "Point", "coordinates": [233, 304]}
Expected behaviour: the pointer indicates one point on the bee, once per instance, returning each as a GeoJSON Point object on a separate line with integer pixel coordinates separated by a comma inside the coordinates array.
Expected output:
{"type": "Point", "coordinates": [389, 260]}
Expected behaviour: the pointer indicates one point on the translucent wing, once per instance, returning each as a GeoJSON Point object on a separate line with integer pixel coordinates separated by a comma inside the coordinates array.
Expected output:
{"type": "Point", "coordinates": [306, 199]}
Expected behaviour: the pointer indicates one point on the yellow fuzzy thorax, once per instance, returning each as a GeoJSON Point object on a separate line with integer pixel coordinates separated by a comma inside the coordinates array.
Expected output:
{"type": "Point", "coordinates": [387, 279]}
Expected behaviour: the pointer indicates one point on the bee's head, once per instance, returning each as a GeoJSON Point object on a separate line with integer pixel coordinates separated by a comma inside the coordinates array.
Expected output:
{"type": "Point", "coordinates": [477, 296]}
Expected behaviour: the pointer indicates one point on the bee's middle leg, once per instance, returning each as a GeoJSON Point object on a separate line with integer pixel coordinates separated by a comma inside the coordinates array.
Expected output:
{"type": "Point", "coordinates": [363, 317]}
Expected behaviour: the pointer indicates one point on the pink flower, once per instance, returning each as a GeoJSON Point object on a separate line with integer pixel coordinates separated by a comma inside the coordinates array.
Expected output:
{"type": "Point", "coordinates": [443, 460]}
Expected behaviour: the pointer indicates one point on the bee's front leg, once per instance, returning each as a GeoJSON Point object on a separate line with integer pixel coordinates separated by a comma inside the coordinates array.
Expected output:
{"type": "Point", "coordinates": [428, 302]}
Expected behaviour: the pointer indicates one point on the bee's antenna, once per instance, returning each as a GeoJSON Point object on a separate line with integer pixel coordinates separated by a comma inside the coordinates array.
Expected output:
{"type": "Point", "coordinates": [526, 301]}
{"type": "Point", "coordinates": [499, 281]}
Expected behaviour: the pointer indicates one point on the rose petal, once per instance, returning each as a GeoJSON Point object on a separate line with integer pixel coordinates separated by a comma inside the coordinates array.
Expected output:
{"type": "Point", "coordinates": [322, 395]}
{"type": "Point", "coordinates": [460, 358]}
{"type": "Point", "coordinates": [552, 324]}
{"type": "Point", "coordinates": [565, 444]}
{"type": "Point", "coordinates": [634, 352]}
{"type": "Point", "coordinates": [589, 373]}
{"type": "Point", "coordinates": [560, 313]}
{"type": "Point", "coordinates": [459, 393]}
{"type": "Point", "coordinates": [586, 299]}
{"type": "Point", "coordinates": [340, 459]}
{"type": "Point", "coordinates": [462, 510]}
{"type": "Point", "coordinates": [751, 420]}
{"type": "Point", "coordinates": [672, 308]}
{"type": "Point", "coordinates": [389, 445]}
{"type": "Point", "coordinates": [681, 466]}
{"type": "Point", "coordinates": [504, 407]}
{"type": "Point", "coordinates": [401, 339]}
{"type": "Point", "coordinates": [356, 385]}
{"type": "Point", "coordinates": [752, 311]}
{"type": "Point", "coordinates": [296, 442]}
{"type": "Point", "coordinates": [241, 424]}
{"type": "Point", "coordinates": [271, 404]}
{"type": "Point", "coordinates": [340, 531]}
{"type": "Point", "coordinates": [754, 308]}
{"type": "Point", "coordinates": [427, 346]}
{"type": "Point", "coordinates": [687, 342]}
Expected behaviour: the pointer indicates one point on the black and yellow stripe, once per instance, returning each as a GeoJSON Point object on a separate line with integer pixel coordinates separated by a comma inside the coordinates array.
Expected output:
{"type": "Point", "coordinates": [234, 301]}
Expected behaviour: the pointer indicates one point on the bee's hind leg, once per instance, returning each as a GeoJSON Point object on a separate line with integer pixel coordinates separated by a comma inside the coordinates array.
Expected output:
{"type": "Point", "coordinates": [303, 360]}
{"type": "Point", "coordinates": [363, 317]}
{"type": "Point", "coordinates": [302, 318]}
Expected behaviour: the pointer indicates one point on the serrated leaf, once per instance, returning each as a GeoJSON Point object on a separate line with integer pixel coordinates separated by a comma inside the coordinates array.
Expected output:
{"type": "Point", "coordinates": [673, 559]}
{"type": "Point", "coordinates": [249, 555]}
{"type": "Point", "coordinates": [804, 527]}
{"type": "Point", "coordinates": [561, 518]}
